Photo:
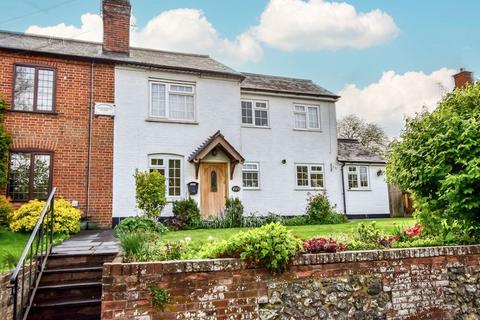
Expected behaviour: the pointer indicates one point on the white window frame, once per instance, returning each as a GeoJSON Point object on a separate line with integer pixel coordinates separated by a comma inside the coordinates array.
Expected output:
{"type": "Point", "coordinates": [165, 167]}
{"type": "Point", "coordinates": [169, 91]}
{"type": "Point", "coordinates": [307, 124]}
{"type": "Point", "coordinates": [254, 107]}
{"type": "Point", "coordinates": [309, 176]}
{"type": "Point", "coordinates": [257, 170]}
{"type": "Point", "coordinates": [357, 173]}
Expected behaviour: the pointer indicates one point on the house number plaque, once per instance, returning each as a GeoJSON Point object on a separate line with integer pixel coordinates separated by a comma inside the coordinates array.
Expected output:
{"type": "Point", "coordinates": [235, 188]}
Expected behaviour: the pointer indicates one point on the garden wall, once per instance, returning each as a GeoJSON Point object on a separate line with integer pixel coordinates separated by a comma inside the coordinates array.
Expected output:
{"type": "Point", "coordinates": [423, 283]}
{"type": "Point", "coordinates": [5, 309]}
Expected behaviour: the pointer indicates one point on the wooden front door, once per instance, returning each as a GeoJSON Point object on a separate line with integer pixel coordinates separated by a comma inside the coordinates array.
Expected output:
{"type": "Point", "coordinates": [213, 188]}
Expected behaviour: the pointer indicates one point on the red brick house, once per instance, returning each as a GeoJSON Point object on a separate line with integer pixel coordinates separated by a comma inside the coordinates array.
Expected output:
{"type": "Point", "coordinates": [51, 87]}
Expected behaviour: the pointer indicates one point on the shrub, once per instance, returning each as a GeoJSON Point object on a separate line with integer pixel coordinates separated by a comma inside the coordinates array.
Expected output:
{"type": "Point", "coordinates": [319, 211]}
{"type": "Point", "coordinates": [369, 236]}
{"type": "Point", "coordinates": [319, 244]}
{"type": "Point", "coordinates": [295, 221]}
{"type": "Point", "coordinates": [150, 192]}
{"type": "Point", "coordinates": [186, 213]}
{"type": "Point", "coordinates": [437, 159]}
{"type": "Point", "coordinates": [271, 246]}
{"type": "Point", "coordinates": [66, 217]}
{"type": "Point", "coordinates": [139, 224]}
{"type": "Point", "coordinates": [134, 246]}
{"type": "Point", "coordinates": [234, 212]}
{"type": "Point", "coordinates": [6, 211]}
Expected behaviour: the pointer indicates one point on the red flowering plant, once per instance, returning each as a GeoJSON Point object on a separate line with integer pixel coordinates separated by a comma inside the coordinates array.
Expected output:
{"type": "Point", "coordinates": [319, 245]}
{"type": "Point", "coordinates": [414, 231]}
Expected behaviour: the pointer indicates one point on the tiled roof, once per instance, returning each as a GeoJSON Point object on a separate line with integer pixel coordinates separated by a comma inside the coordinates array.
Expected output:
{"type": "Point", "coordinates": [350, 150]}
{"type": "Point", "coordinates": [260, 82]}
{"type": "Point", "coordinates": [144, 57]}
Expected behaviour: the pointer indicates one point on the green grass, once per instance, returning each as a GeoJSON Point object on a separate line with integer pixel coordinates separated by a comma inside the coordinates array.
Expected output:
{"type": "Point", "coordinates": [12, 245]}
{"type": "Point", "coordinates": [339, 231]}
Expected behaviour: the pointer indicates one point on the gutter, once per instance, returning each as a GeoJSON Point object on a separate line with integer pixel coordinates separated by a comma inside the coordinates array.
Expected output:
{"type": "Point", "coordinates": [344, 196]}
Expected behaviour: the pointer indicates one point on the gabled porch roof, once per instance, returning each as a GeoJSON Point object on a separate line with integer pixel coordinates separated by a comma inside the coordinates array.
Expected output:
{"type": "Point", "coordinates": [217, 140]}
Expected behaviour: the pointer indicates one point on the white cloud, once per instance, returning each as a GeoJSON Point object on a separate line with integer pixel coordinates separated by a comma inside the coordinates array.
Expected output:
{"type": "Point", "coordinates": [395, 96]}
{"type": "Point", "coordinates": [186, 30]}
{"type": "Point", "coordinates": [317, 25]}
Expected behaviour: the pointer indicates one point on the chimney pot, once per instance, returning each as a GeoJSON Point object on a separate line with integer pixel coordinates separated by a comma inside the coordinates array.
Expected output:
{"type": "Point", "coordinates": [116, 26]}
{"type": "Point", "coordinates": [462, 78]}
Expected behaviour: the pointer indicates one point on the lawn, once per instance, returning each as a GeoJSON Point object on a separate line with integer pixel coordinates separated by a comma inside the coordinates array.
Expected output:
{"type": "Point", "coordinates": [338, 231]}
{"type": "Point", "coordinates": [12, 245]}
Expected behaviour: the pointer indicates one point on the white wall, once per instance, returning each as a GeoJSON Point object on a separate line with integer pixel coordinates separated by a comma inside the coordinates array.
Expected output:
{"type": "Point", "coordinates": [372, 201]}
{"type": "Point", "coordinates": [269, 146]}
{"type": "Point", "coordinates": [218, 108]}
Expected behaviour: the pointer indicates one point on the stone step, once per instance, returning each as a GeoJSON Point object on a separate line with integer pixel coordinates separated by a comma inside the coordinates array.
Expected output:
{"type": "Point", "coordinates": [68, 292]}
{"type": "Point", "coordinates": [62, 261]}
{"type": "Point", "coordinates": [71, 275]}
{"type": "Point", "coordinates": [71, 310]}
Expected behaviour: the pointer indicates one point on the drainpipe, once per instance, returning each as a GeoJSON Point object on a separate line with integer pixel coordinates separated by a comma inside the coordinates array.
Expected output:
{"type": "Point", "coordinates": [90, 125]}
{"type": "Point", "coordinates": [343, 190]}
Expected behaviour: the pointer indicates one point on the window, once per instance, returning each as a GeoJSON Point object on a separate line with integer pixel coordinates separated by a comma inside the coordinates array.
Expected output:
{"type": "Point", "coordinates": [306, 117]}
{"type": "Point", "coordinates": [29, 175]}
{"type": "Point", "coordinates": [170, 167]}
{"type": "Point", "coordinates": [172, 101]}
{"type": "Point", "coordinates": [255, 113]}
{"type": "Point", "coordinates": [33, 89]}
{"type": "Point", "coordinates": [250, 175]}
{"type": "Point", "coordinates": [358, 177]}
{"type": "Point", "coordinates": [310, 176]}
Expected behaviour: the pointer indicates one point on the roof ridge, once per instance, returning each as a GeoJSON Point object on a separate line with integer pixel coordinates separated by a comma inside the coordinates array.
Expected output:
{"type": "Point", "coordinates": [273, 76]}
{"type": "Point", "coordinates": [34, 35]}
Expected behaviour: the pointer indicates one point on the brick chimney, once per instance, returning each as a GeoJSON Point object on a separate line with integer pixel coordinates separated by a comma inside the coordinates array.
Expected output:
{"type": "Point", "coordinates": [462, 78]}
{"type": "Point", "coordinates": [116, 26]}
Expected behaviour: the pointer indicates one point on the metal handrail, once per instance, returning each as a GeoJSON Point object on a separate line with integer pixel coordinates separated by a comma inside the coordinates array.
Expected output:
{"type": "Point", "coordinates": [23, 290]}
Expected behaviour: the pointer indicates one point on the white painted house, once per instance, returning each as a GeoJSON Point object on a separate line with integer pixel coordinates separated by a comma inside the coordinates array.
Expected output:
{"type": "Point", "coordinates": [270, 141]}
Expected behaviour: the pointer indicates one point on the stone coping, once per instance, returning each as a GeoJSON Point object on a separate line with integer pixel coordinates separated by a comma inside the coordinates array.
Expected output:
{"type": "Point", "coordinates": [233, 264]}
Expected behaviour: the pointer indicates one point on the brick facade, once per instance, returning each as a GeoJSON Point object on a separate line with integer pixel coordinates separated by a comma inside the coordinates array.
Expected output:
{"type": "Point", "coordinates": [422, 283]}
{"type": "Point", "coordinates": [66, 132]}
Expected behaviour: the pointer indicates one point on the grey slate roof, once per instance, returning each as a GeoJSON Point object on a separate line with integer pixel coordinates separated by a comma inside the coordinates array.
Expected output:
{"type": "Point", "coordinates": [350, 150]}
{"type": "Point", "coordinates": [261, 82]}
{"type": "Point", "coordinates": [143, 57]}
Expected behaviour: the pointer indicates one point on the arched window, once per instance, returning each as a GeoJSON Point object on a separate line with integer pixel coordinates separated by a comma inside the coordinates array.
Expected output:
{"type": "Point", "coordinates": [213, 181]}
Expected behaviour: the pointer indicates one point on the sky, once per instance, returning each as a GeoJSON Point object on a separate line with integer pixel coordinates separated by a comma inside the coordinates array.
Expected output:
{"type": "Point", "coordinates": [387, 59]}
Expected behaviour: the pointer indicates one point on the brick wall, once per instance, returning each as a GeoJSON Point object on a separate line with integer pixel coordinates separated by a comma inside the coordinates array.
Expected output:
{"type": "Point", "coordinates": [66, 132]}
{"type": "Point", "coordinates": [425, 283]}
{"type": "Point", "coordinates": [6, 309]}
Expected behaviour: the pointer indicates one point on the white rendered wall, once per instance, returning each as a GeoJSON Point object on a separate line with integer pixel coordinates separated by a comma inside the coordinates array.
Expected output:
{"type": "Point", "coordinates": [372, 201]}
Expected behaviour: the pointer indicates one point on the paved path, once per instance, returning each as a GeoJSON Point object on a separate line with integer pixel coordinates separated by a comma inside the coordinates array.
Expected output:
{"type": "Point", "coordinates": [89, 242]}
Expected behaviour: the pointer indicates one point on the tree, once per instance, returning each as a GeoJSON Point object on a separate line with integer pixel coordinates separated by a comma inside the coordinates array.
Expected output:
{"type": "Point", "coordinates": [5, 141]}
{"type": "Point", "coordinates": [437, 159]}
{"type": "Point", "coordinates": [150, 192]}
{"type": "Point", "coordinates": [370, 135]}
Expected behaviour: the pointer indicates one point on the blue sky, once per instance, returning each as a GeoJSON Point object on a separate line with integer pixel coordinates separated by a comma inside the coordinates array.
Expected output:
{"type": "Point", "coordinates": [429, 36]}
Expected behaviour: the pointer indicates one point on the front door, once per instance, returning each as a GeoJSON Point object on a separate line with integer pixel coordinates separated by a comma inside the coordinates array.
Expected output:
{"type": "Point", "coordinates": [213, 188]}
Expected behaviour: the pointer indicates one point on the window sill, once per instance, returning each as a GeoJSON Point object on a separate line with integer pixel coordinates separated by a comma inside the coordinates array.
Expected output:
{"type": "Point", "coordinates": [48, 113]}
{"type": "Point", "coordinates": [151, 119]}
{"type": "Point", "coordinates": [309, 189]}
{"type": "Point", "coordinates": [252, 189]}
{"type": "Point", "coordinates": [311, 130]}
{"type": "Point", "coordinates": [255, 127]}
{"type": "Point", "coordinates": [367, 189]}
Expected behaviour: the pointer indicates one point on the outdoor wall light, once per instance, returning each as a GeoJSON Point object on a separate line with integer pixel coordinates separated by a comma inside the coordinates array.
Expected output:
{"type": "Point", "coordinates": [379, 172]}
{"type": "Point", "coordinates": [284, 161]}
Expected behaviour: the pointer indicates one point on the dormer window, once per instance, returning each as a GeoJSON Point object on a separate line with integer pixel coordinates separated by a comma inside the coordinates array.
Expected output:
{"type": "Point", "coordinates": [172, 101]}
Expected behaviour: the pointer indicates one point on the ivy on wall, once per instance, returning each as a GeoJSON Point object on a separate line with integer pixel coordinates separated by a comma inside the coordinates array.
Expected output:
{"type": "Point", "coordinates": [5, 141]}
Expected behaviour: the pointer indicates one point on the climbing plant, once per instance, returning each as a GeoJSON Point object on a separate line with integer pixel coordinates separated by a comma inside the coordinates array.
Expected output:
{"type": "Point", "coordinates": [5, 141]}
